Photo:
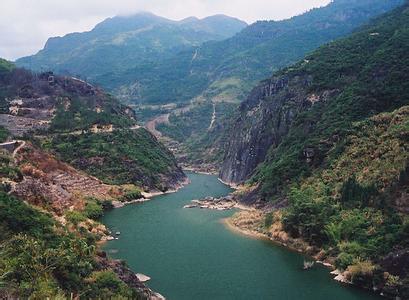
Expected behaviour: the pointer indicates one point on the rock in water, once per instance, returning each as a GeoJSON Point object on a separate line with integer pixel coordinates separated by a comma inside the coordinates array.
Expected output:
{"type": "Point", "coordinates": [142, 277]}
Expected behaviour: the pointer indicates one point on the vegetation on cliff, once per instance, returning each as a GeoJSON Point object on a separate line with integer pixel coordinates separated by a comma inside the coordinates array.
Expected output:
{"type": "Point", "coordinates": [120, 157]}
{"type": "Point", "coordinates": [248, 57]}
{"type": "Point", "coordinates": [342, 165]}
{"type": "Point", "coordinates": [367, 74]}
{"type": "Point", "coordinates": [49, 231]}
{"type": "Point", "coordinates": [84, 126]}
{"type": "Point", "coordinates": [41, 259]}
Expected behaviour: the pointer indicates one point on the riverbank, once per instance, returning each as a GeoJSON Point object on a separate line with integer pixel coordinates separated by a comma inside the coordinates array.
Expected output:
{"type": "Point", "coordinates": [139, 278]}
{"type": "Point", "coordinates": [199, 249]}
{"type": "Point", "coordinates": [147, 196]}
{"type": "Point", "coordinates": [250, 224]}
{"type": "Point", "coordinates": [200, 170]}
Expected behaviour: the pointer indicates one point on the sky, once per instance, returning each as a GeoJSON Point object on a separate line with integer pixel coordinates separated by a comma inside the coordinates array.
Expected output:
{"type": "Point", "coordinates": [25, 25]}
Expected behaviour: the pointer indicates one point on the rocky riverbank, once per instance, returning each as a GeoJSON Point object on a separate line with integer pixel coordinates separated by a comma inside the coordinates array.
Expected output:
{"type": "Point", "coordinates": [147, 196]}
{"type": "Point", "coordinates": [253, 223]}
{"type": "Point", "coordinates": [223, 203]}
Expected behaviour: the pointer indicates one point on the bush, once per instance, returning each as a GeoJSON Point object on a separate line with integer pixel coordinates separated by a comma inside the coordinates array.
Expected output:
{"type": "Point", "coordinates": [106, 284]}
{"type": "Point", "coordinates": [308, 214]}
{"type": "Point", "coordinates": [93, 209]}
{"type": "Point", "coordinates": [132, 194]}
{"type": "Point", "coordinates": [268, 220]}
{"type": "Point", "coordinates": [344, 260]}
{"type": "Point", "coordinates": [361, 273]}
{"type": "Point", "coordinates": [75, 217]}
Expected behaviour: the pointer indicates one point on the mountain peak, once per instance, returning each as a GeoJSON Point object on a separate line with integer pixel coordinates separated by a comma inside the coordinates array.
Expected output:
{"type": "Point", "coordinates": [189, 20]}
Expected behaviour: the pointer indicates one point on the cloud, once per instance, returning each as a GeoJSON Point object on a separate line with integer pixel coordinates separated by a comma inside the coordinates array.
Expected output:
{"type": "Point", "coordinates": [25, 25]}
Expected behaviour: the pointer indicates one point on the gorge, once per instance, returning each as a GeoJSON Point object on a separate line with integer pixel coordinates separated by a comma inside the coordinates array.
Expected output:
{"type": "Point", "coordinates": [191, 254]}
{"type": "Point", "coordinates": [307, 118]}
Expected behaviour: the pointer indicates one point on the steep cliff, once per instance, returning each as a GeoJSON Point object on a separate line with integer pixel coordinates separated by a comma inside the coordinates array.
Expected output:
{"type": "Point", "coordinates": [330, 137]}
{"type": "Point", "coordinates": [264, 119]}
{"type": "Point", "coordinates": [298, 116]}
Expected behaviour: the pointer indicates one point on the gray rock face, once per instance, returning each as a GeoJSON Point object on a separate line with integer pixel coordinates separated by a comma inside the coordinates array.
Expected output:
{"type": "Point", "coordinates": [263, 120]}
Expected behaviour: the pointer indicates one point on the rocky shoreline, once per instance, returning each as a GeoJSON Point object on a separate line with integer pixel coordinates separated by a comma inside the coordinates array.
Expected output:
{"type": "Point", "coordinates": [249, 223]}
{"type": "Point", "coordinates": [147, 196]}
{"type": "Point", "coordinates": [223, 203]}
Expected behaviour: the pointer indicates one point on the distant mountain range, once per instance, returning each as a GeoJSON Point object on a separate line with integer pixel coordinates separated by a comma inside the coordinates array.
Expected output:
{"type": "Point", "coordinates": [146, 59]}
{"type": "Point", "coordinates": [124, 42]}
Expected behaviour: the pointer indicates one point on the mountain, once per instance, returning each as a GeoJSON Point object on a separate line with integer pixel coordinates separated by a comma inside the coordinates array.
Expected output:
{"type": "Point", "coordinates": [68, 152]}
{"type": "Point", "coordinates": [77, 122]}
{"type": "Point", "coordinates": [228, 69]}
{"type": "Point", "coordinates": [123, 42]}
{"type": "Point", "coordinates": [324, 145]}
{"type": "Point", "coordinates": [217, 83]}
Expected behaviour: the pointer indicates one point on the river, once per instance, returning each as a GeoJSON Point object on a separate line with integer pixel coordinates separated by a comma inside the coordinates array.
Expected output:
{"type": "Point", "coordinates": [191, 255]}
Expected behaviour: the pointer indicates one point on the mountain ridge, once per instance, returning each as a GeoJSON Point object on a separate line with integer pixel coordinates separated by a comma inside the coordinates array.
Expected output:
{"type": "Point", "coordinates": [122, 41]}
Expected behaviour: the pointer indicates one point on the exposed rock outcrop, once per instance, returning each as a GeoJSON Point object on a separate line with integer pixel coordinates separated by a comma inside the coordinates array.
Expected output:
{"type": "Point", "coordinates": [47, 180]}
{"type": "Point", "coordinates": [127, 276]}
{"type": "Point", "coordinates": [263, 120]}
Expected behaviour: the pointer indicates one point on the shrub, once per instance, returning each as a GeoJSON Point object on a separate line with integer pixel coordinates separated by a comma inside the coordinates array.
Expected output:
{"type": "Point", "coordinates": [75, 217]}
{"type": "Point", "coordinates": [268, 220]}
{"type": "Point", "coordinates": [361, 272]}
{"type": "Point", "coordinates": [132, 194]}
{"type": "Point", "coordinates": [93, 209]}
{"type": "Point", "coordinates": [106, 284]}
{"type": "Point", "coordinates": [344, 260]}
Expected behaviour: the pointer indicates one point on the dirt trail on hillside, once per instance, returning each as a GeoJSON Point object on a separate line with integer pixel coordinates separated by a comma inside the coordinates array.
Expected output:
{"type": "Point", "coordinates": [151, 125]}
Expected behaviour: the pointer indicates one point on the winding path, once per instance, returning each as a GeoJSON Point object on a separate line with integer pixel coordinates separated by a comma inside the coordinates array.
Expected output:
{"type": "Point", "coordinates": [7, 146]}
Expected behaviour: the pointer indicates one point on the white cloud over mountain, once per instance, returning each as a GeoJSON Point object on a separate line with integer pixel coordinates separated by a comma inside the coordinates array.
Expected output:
{"type": "Point", "coordinates": [25, 25]}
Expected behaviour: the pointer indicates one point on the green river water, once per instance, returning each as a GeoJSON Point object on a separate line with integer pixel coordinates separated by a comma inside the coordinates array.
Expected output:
{"type": "Point", "coordinates": [190, 254]}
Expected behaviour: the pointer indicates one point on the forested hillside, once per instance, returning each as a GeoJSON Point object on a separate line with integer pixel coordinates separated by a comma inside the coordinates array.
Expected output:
{"type": "Point", "coordinates": [85, 127]}
{"type": "Point", "coordinates": [226, 70]}
{"type": "Point", "coordinates": [123, 42]}
{"type": "Point", "coordinates": [223, 81]}
{"type": "Point", "coordinates": [49, 210]}
{"type": "Point", "coordinates": [327, 139]}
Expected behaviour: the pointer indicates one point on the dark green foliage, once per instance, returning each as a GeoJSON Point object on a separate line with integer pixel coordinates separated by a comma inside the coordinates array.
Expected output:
{"type": "Point", "coordinates": [189, 124]}
{"type": "Point", "coordinates": [75, 217]}
{"type": "Point", "coordinates": [352, 193]}
{"type": "Point", "coordinates": [94, 209]}
{"type": "Point", "coordinates": [120, 157]}
{"type": "Point", "coordinates": [130, 195]}
{"type": "Point", "coordinates": [81, 114]}
{"type": "Point", "coordinates": [16, 217]}
{"type": "Point", "coordinates": [3, 134]}
{"type": "Point", "coordinates": [308, 215]}
{"type": "Point", "coordinates": [269, 220]}
{"type": "Point", "coordinates": [7, 167]}
{"type": "Point", "coordinates": [366, 233]}
{"type": "Point", "coordinates": [40, 259]}
{"type": "Point", "coordinates": [34, 251]}
{"type": "Point", "coordinates": [106, 284]}
{"type": "Point", "coordinates": [344, 198]}
{"type": "Point", "coordinates": [370, 73]}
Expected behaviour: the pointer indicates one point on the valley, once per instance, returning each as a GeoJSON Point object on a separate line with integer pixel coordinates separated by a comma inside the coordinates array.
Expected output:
{"type": "Point", "coordinates": [222, 160]}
